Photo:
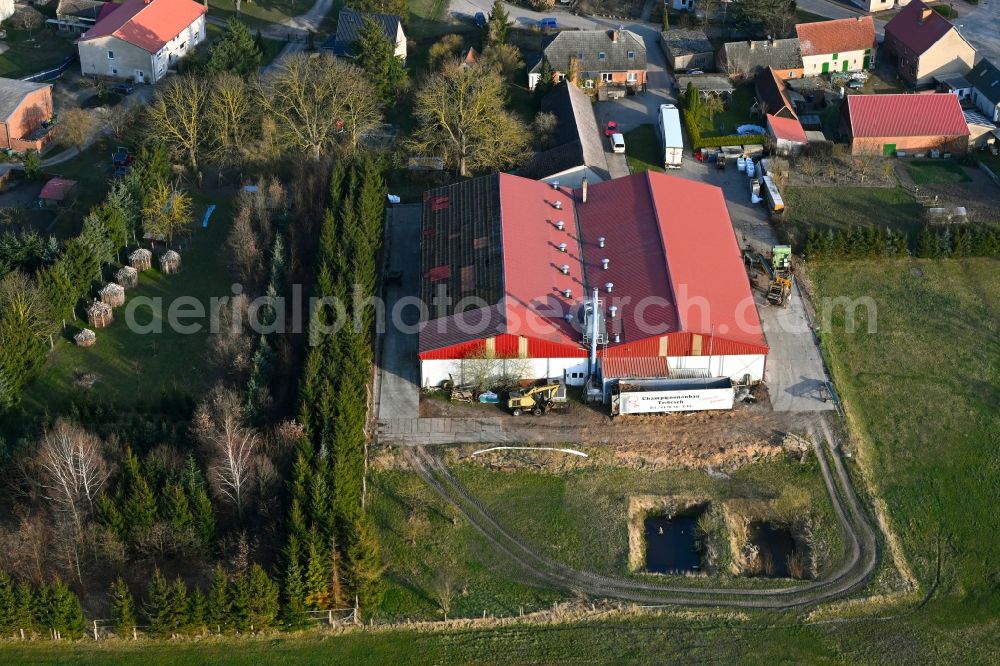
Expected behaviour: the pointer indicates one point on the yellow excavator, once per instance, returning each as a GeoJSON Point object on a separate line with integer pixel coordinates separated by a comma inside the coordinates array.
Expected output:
{"type": "Point", "coordinates": [538, 399]}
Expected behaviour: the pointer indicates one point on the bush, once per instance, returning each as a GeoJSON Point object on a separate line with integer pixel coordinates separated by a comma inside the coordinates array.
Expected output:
{"type": "Point", "coordinates": [946, 11]}
{"type": "Point", "coordinates": [973, 240]}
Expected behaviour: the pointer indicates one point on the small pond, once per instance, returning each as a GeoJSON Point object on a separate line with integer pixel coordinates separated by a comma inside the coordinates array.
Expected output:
{"type": "Point", "coordinates": [779, 554]}
{"type": "Point", "coordinates": [671, 546]}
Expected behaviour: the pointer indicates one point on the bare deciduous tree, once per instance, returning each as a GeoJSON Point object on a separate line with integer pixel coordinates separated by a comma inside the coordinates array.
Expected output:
{"type": "Point", "coordinates": [176, 116]}
{"type": "Point", "coordinates": [229, 116]}
{"type": "Point", "coordinates": [232, 446]}
{"type": "Point", "coordinates": [73, 470]}
{"type": "Point", "coordinates": [76, 126]}
{"type": "Point", "coordinates": [318, 102]}
{"type": "Point", "coordinates": [462, 117]}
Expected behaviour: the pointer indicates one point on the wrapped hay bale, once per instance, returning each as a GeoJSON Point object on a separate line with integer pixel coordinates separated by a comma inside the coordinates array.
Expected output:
{"type": "Point", "coordinates": [141, 259]}
{"type": "Point", "coordinates": [113, 294]}
{"type": "Point", "coordinates": [85, 338]}
{"type": "Point", "coordinates": [99, 314]}
{"type": "Point", "coordinates": [170, 262]}
{"type": "Point", "coordinates": [127, 277]}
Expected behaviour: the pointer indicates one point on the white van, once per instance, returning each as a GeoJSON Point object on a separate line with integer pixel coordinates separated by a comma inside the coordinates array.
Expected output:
{"type": "Point", "coordinates": [617, 143]}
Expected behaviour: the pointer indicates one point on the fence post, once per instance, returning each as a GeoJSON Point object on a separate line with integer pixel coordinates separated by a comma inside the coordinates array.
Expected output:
{"type": "Point", "coordinates": [329, 617]}
{"type": "Point", "coordinates": [95, 630]}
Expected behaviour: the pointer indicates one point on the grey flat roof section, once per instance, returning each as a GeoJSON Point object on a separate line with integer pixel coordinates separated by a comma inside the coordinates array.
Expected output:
{"type": "Point", "coordinates": [954, 81]}
{"type": "Point", "coordinates": [706, 83]}
{"type": "Point", "coordinates": [13, 92]}
{"type": "Point", "coordinates": [686, 42]}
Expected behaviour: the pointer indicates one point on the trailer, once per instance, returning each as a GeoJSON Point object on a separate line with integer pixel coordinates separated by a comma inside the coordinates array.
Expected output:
{"type": "Point", "coordinates": [670, 133]}
{"type": "Point", "coordinates": [775, 204]}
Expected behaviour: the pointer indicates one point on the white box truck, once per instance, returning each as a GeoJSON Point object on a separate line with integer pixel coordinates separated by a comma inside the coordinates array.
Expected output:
{"type": "Point", "coordinates": [670, 133]}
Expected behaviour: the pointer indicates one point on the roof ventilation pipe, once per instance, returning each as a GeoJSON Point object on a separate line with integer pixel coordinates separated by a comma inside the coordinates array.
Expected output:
{"type": "Point", "coordinates": [604, 263]}
{"type": "Point", "coordinates": [600, 242]}
{"type": "Point", "coordinates": [618, 338]}
{"type": "Point", "coordinates": [613, 311]}
{"type": "Point", "coordinates": [555, 184]}
{"type": "Point", "coordinates": [560, 225]}
{"type": "Point", "coordinates": [568, 293]}
{"type": "Point", "coordinates": [562, 247]}
{"type": "Point", "coordinates": [565, 269]}
{"type": "Point", "coordinates": [583, 190]}
{"type": "Point", "coordinates": [609, 286]}
{"type": "Point", "coordinates": [568, 316]}
{"type": "Point", "coordinates": [558, 205]}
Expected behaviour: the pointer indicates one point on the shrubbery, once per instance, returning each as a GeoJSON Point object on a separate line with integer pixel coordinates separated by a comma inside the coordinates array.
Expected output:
{"type": "Point", "coordinates": [975, 240]}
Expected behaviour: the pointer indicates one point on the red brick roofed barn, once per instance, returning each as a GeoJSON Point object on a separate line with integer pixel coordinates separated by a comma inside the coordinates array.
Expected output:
{"type": "Point", "coordinates": [531, 255]}
{"type": "Point", "coordinates": [886, 124]}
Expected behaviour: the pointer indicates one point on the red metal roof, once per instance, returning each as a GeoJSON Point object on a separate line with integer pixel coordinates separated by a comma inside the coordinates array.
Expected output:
{"type": "Point", "coordinates": [672, 257]}
{"type": "Point", "coordinates": [788, 129]}
{"type": "Point", "coordinates": [899, 115]}
{"type": "Point", "coordinates": [56, 189]}
{"type": "Point", "coordinates": [837, 36]}
{"type": "Point", "coordinates": [148, 24]}
{"type": "Point", "coordinates": [916, 28]}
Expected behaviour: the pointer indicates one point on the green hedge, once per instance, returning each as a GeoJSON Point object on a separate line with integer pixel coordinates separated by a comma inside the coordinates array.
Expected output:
{"type": "Point", "coordinates": [697, 141]}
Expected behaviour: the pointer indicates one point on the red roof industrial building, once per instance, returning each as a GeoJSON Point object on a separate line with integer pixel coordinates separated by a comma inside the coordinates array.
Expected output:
{"type": "Point", "coordinates": [510, 265]}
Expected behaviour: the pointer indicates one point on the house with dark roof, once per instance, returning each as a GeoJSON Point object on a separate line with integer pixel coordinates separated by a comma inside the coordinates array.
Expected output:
{"type": "Point", "coordinates": [577, 151]}
{"type": "Point", "coordinates": [349, 24]}
{"type": "Point", "coordinates": [687, 49]}
{"type": "Point", "coordinates": [76, 15]}
{"type": "Point", "coordinates": [841, 45]}
{"type": "Point", "coordinates": [900, 123]}
{"type": "Point", "coordinates": [926, 44]}
{"type": "Point", "coordinates": [772, 95]}
{"type": "Point", "coordinates": [25, 108]}
{"type": "Point", "coordinates": [594, 58]}
{"type": "Point", "coordinates": [985, 81]}
{"type": "Point", "coordinates": [141, 39]}
{"type": "Point", "coordinates": [744, 60]}
{"type": "Point", "coordinates": [512, 265]}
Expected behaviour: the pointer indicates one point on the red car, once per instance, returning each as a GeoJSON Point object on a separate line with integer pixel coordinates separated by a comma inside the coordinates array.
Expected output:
{"type": "Point", "coordinates": [612, 128]}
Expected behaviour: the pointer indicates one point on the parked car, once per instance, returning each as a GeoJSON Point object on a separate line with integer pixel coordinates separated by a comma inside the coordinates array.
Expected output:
{"type": "Point", "coordinates": [612, 128]}
{"type": "Point", "coordinates": [480, 19]}
{"type": "Point", "coordinates": [694, 72]}
{"type": "Point", "coordinates": [123, 88]}
{"type": "Point", "coordinates": [855, 84]}
{"type": "Point", "coordinates": [548, 23]}
{"type": "Point", "coordinates": [617, 143]}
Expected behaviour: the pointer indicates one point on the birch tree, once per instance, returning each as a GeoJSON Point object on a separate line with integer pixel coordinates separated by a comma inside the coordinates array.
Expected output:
{"type": "Point", "coordinates": [73, 470]}
{"type": "Point", "coordinates": [232, 447]}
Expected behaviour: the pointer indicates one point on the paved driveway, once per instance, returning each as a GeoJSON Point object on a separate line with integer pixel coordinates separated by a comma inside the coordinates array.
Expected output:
{"type": "Point", "coordinates": [399, 373]}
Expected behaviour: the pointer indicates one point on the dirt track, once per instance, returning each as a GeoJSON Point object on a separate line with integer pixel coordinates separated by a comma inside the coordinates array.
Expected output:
{"type": "Point", "coordinates": [860, 561]}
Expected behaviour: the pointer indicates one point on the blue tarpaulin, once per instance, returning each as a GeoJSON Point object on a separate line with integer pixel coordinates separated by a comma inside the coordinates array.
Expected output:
{"type": "Point", "coordinates": [208, 214]}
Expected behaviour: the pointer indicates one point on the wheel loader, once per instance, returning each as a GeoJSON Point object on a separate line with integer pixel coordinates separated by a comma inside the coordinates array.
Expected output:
{"type": "Point", "coordinates": [538, 399]}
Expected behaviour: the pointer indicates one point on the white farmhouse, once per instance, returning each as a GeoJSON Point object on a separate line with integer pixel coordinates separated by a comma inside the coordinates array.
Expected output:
{"type": "Point", "coordinates": [141, 39]}
{"type": "Point", "coordinates": [842, 45]}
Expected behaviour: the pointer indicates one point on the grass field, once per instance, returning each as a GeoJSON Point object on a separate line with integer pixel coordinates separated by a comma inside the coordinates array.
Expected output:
{"type": "Point", "coordinates": [937, 172]}
{"type": "Point", "coordinates": [642, 149]}
{"type": "Point", "coordinates": [260, 13]}
{"type": "Point", "coordinates": [735, 113]}
{"type": "Point", "coordinates": [923, 392]}
{"type": "Point", "coordinates": [28, 54]}
{"type": "Point", "coordinates": [840, 207]}
{"type": "Point", "coordinates": [130, 366]}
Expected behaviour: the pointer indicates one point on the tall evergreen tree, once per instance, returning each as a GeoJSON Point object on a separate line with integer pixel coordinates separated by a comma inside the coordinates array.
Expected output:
{"type": "Point", "coordinates": [159, 609]}
{"type": "Point", "coordinates": [241, 600]}
{"type": "Point", "coordinates": [197, 610]}
{"type": "Point", "coordinates": [264, 599]}
{"type": "Point", "coordinates": [376, 56]}
{"type": "Point", "coordinates": [365, 559]}
{"type": "Point", "coordinates": [317, 580]}
{"type": "Point", "coordinates": [8, 605]}
{"type": "Point", "coordinates": [122, 608]}
{"type": "Point", "coordinates": [219, 609]}
{"type": "Point", "coordinates": [65, 614]}
{"type": "Point", "coordinates": [235, 52]}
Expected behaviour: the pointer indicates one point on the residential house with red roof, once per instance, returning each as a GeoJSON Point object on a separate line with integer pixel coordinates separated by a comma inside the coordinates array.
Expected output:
{"type": "Point", "coordinates": [510, 267]}
{"type": "Point", "coordinates": [141, 39]}
{"type": "Point", "coordinates": [926, 44]}
{"type": "Point", "coordinates": [842, 45]}
{"type": "Point", "coordinates": [900, 123]}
